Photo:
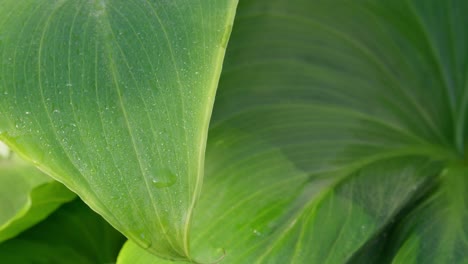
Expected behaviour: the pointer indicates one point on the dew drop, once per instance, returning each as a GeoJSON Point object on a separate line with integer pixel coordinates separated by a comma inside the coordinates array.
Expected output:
{"type": "Point", "coordinates": [28, 113]}
{"type": "Point", "coordinates": [4, 150]}
{"type": "Point", "coordinates": [144, 243]}
{"type": "Point", "coordinates": [256, 232]}
{"type": "Point", "coordinates": [164, 178]}
{"type": "Point", "coordinates": [211, 255]}
{"type": "Point", "coordinates": [219, 142]}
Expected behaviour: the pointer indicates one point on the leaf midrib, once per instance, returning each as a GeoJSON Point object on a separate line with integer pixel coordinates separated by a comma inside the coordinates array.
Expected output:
{"type": "Point", "coordinates": [106, 26]}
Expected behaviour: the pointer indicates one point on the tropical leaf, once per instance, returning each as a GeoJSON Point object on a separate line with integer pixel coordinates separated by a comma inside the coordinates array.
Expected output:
{"type": "Point", "coordinates": [113, 98]}
{"type": "Point", "coordinates": [336, 125]}
{"type": "Point", "coordinates": [73, 234]}
{"type": "Point", "coordinates": [27, 196]}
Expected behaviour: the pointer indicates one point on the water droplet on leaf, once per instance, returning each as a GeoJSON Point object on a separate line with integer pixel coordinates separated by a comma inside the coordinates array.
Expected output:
{"type": "Point", "coordinates": [164, 178]}
{"type": "Point", "coordinates": [256, 232]}
{"type": "Point", "coordinates": [143, 242]}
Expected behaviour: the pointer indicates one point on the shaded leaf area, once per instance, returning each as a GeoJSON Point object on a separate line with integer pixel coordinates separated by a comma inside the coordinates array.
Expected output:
{"type": "Point", "coordinates": [113, 98]}
{"type": "Point", "coordinates": [436, 231]}
{"type": "Point", "coordinates": [73, 234]}
{"type": "Point", "coordinates": [27, 196]}
{"type": "Point", "coordinates": [332, 119]}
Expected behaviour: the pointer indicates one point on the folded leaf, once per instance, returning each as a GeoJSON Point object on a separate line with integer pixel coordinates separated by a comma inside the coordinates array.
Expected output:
{"type": "Point", "coordinates": [113, 98]}
{"type": "Point", "coordinates": [73, 234]}
{"type": "Point", "coordinates": [27, 196]}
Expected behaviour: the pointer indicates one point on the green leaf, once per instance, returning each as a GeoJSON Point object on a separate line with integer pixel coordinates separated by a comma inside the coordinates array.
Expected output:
{"type": "Point", "coordinates": [27, 196]}
{"type": "Point", "coordinates": [334, 122]}
{"type": "Point", "coordinates": [73, 234]}
{"type": "Point", "coordinates": [113, 98]}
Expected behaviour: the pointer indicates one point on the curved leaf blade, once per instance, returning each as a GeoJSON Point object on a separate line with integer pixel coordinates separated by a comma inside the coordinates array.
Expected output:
{"type": "Point", "coordinates": [113, 98]}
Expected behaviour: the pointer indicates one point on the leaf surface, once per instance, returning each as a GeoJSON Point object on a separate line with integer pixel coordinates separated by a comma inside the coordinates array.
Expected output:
{"type": "Point", "coordinates": [113, 98]}
{"type": "Point", "coordinates": [334, 122]}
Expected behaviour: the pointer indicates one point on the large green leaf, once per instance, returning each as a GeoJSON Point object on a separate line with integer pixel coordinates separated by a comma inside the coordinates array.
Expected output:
{"type": "Point", "coordinates": [113, 98]}
{"type": "Point", "coordinates": [335, 123]}
{"type": "Point", "coordinates": [73, 234]}
{"type": "Point", "coordinates": [27, 196]}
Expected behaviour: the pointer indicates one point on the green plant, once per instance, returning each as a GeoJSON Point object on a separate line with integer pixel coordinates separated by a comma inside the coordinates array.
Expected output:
{"type": "Point", "coordinates": [338, 133]}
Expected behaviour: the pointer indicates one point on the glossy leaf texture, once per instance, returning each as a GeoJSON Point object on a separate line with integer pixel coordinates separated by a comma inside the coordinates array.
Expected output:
{"type": "Point", "coordinates": [27, 196]}
{"type": "Point", "coordinates": [335, 128]}
{"type": "Point", "coordinates": [73, 234]}
{"type": "Point", "coordinates": [113, 98]}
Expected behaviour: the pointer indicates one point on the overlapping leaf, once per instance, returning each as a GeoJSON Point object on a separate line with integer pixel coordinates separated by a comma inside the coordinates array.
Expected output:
{"type": "Point", "coordinates": [333, 119]}
{"type": "Point", "coordinates": [27, 196]}
{"type": "Point", "coordinates": [73, 234]}
{"type": "Point", "coordinates": [113, 98]}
